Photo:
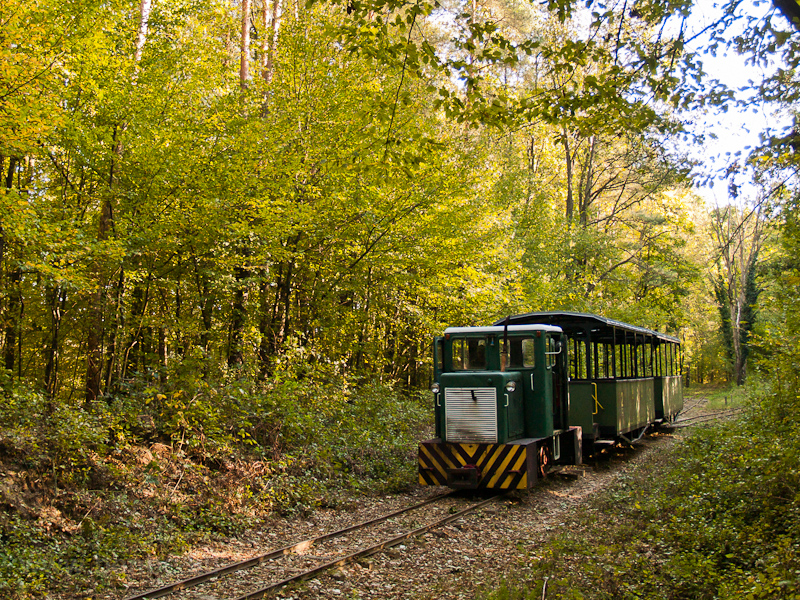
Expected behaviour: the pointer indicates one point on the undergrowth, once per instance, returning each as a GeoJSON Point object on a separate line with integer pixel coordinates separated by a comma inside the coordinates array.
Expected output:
{"type": "Point", "coordinates": [151, 470]}
{"type": "Point", "coordinates": [719, 518]}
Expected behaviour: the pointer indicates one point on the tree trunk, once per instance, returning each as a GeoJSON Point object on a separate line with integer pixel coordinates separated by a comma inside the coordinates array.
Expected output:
{"type": "Point", "coordinates": [264, 329]}
{"type": "Point", "coordinates": [56, 300]}
{"type": "Point", "coordinates": [206, 308]}
{"type": "Point", "coordinates": [585, 194]}
{"type": "Point", "coordinates": [94, 340]}
{"type": "Point", "coordinates": [570, 207]}
{"type": "Point", "coordinates": [162, 354]}
{"type": "Point", "coordinates": [735, 288]}
{"type": "Point", "coordinates": [268, 71]}
{"type": "Point", "coordinates": [275, 321]}
{"type": "Point", "coordinates": [114, 328]}
{"type": "Point", "coordinates": [134, 347]}
{"type": "Point", "coordinates": [238, 318]}
{"type": "Point", "coordinates": [244, 56]}
{"type": "Point", "coordinates": [99, 301]}
{"type": "Point", "coordinates": [13, 333]}
{"type": "Point", "coordinates": [8, 187]}
{"type": "Point", "coordinates": [284, 304]}
{"type": "Point", "coordinates": [141, 34]}
{"type": "Point", "coordinates": [14, 292]}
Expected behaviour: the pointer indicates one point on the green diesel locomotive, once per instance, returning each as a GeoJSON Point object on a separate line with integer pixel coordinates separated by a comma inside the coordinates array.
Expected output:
{"type": "Point", "coordinates": [542, 389]}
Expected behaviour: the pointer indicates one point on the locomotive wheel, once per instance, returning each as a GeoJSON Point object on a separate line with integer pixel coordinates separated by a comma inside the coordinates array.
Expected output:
{"type": "Point", "coordinates": [544, 461]}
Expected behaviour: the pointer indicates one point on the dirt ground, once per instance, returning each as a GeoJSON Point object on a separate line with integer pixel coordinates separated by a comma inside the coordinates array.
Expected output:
{"type": "Point", "coordinates": [456, 561]}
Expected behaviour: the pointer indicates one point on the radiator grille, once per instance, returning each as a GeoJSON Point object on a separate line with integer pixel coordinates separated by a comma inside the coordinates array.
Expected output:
{"type": "Point", "coordinates": [471, 414]}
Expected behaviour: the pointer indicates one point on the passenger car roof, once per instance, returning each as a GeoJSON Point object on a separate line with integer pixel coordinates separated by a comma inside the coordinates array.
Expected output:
{"type": "Point", "coordinates": [575, 324]}
{"type": "Point", "coordinates": [500, 329]}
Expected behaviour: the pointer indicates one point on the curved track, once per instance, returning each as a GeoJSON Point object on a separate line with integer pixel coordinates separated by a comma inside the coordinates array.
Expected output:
{"type": "Point", "coordinates": [696, 413]}
{"type": "Point", "coordinates": [266, 573]}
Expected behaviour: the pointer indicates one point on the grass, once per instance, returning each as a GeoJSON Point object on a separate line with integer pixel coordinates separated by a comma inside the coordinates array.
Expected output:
{"type": "Point", "coordinates": [720, 397]}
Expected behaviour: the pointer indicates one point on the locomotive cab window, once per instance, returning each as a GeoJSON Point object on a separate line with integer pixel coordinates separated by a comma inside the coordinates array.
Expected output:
{"type": "Point", "coordinates": [552, 349]}
{"type": "Point", "coordinates": [469, 354]}
{"type": "Point", "coordinates": [521, 353]}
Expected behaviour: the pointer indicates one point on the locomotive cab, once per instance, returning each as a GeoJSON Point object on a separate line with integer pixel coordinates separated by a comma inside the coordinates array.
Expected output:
{"type": "Point", "coordinates": [501, 404]}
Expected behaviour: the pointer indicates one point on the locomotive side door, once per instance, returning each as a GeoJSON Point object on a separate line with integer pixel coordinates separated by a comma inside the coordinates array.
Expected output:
{"type": "Point", "coordinates": [522, 358]}
{"type": "Point", "coordinates": [557, 360]}
{"type": "Point", "coordinates": [438, 367]}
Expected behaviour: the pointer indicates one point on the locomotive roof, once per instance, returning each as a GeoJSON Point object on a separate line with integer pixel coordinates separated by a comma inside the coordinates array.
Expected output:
{"type": "Point", "coordinates": [500, 329]}
{"type": "Point", "coordinates": [580, 323]}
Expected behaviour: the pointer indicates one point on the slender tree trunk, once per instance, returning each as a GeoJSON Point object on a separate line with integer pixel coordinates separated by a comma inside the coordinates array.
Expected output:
{"type": "Point", "coordinates": [268, 71]}
{"type": "Point", "coordinates": [2, 229]}
{"type": "Point", "coordinates": [13, 163]}
{"type": "Point", "coordinates": [141, 34]}
{"type": "Point", "coordinates": [264, 37]}
{"type": "Point", "coordinates": [276, 321]}
{"type": "Point", "coordinates": [585, 194]}
{"type": "Point", "coordinates": [206, 305]}
{"type": "Point", "coordinates": [133, 348]}
{"type": "Point", "coordinates": [115, 326]}
{"type": "Point", "coordinates": [12, 318]}
{"type": "Point", "coordinates": [56, 301]}
{"type": "Point", "coordinates": [13, 332]}
{"type": "Point", "coordinates": [162, 354]}
{"type": "Point", "coordinates": [241, 273]}
{"type": "Point", "coordinates": [94, 341]}
{"type": "Point", "coordinates": [285, 303]}
{"type": "Point", "coordinates": [570, 206]}
{"type": "Point", "coordinates": [206, 308]}
{"type": "Point", "coordinates": [244, 56]}
{"type": "Point", "coordinates": [264, 329]}
{"type": "Point", "coordinates": [238, 318]}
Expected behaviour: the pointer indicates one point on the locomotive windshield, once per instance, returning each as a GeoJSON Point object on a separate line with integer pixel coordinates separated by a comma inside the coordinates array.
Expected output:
{"type": "Point", "coordinates": [469, 354]}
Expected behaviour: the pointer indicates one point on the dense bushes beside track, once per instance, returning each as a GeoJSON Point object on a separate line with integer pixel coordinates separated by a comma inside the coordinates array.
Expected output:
{"type": "Point", "coordinates": [718, 518]}
{"type": "Point", "coordinates": [147, 472]}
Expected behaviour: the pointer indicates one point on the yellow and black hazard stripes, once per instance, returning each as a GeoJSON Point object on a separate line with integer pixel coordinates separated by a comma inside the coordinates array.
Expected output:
{"type": "Point", "coordinates": [479, 466]}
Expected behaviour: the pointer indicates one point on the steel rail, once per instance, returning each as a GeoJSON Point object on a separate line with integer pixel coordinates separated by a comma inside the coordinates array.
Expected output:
{"type": "Point", "coordinates": [721, 413]}
{"type": "Point", "coordinates": [706, 419]}
{"type": "Point", "coordinates": [257, 560]}
{"type": "Point", "coordinates": [260, 593]}
{"type": "Point", "coordinates": [695, 404]}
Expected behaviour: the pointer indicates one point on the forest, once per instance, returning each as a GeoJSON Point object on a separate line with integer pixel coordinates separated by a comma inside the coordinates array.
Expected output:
{"type": "Point", "coordinates": [230, 229]}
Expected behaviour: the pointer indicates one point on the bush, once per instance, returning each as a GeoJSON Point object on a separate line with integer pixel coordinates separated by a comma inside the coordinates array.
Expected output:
{"type": "Point", "coordinates": [351, 437]}
{"type": "Point", "coordinates": [168, 464]}
{"type": "Point", "coordinates": [719, 519]}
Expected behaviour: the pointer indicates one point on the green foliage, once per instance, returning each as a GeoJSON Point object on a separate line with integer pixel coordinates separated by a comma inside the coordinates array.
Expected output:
{"type": "Point", "coordinates": [63, 439]}
{"type": "Point", "coordinates": [38, 559]}
{"type": "Point", "coordinates": [361, 437]}
{"type": "Point", "coordinates": [717, 519]}
{"type": "Point", "coordinates": [229, 451]}
{"type": "Point", "coordinates": [24, 568]}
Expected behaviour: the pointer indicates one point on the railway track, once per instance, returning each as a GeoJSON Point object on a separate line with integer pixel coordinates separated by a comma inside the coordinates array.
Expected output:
{"type": "Point", "coordinates": [695, 413]}
{"type": "Point", "coordinates": [691, 405]}
{"type": "Point", "coordinates": [267, 573]}
{"type": "Point", "coordinates": [707, 417]}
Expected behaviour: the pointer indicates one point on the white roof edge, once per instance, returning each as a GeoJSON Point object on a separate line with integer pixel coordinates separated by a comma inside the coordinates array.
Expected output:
{"type": "Point", "coordinates": [501, 329]}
